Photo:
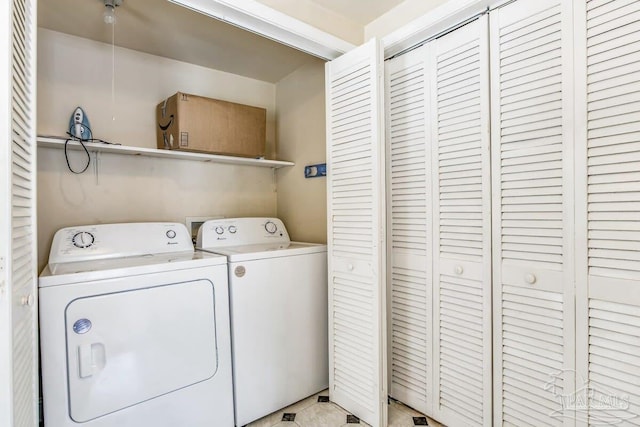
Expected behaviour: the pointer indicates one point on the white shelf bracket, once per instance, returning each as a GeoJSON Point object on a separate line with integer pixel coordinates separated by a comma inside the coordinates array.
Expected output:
{"type": "Point", "coordinates": [274, 180]}
{"type": "Point", "coordinates": [96, 166]}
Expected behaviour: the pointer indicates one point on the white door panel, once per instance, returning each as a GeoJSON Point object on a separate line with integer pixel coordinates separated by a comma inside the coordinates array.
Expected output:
{"type": "Point", "coordinates": [459, 78]}
{"type": "Point", "coordinates": [18, 275]}
{"type": "Point", "coordinates": [532, 168]}
{"type": "Point", "coordinates": [439, 227]}
{"type": "Point", "coordinates": [608, 211]}
{"type": "Point", "coordinates": [356, 250]}
{"type": "Point", "coordinates": [409, 230]}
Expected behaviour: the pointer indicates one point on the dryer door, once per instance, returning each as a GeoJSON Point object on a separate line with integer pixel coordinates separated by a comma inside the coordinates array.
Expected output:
{"type": "Point", "coordinates": [127, 347]}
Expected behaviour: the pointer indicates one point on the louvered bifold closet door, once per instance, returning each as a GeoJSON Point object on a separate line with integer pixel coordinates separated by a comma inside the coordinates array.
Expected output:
{"type": "Point", "coordinates": [355, 227]}
{"type": "Point", "coordinates": [18, 280]}
{"type": "Point", "coordinates": [608, 172]}
{"type": "Point", "coordinates": [459, 80]}
{"type": "Point", "coordinates": [410, 343]}
{"type": "Point", "coordinates": [532, 161]}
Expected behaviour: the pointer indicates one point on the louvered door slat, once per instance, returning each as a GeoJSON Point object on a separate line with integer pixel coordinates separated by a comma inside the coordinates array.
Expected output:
{"type": "Point", "coordinates": [18, 275]}
{"type": "Point", "coordinates": [408, 230]}
{"type": "Point", "coordinates": [608, 211]}
{"type": "Point", "coordinates": [355, 172]}
{"type": "Point", "coordinates": [614, 131]}
{"type": "Point", "coordinates": [458, 75]}
{"type": "Point", "coordinates": [531, 44]}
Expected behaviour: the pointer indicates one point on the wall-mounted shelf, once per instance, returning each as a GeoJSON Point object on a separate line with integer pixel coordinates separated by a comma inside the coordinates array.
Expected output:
{"type": "Point", "coordinates": [49, 142]}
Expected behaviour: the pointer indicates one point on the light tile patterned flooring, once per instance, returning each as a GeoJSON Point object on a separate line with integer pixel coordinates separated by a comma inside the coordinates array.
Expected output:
{"type": "Point", "coordinates": [311, 413]}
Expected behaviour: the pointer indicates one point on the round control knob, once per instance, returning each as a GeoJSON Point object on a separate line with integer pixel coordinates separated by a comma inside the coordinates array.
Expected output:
{"type": "Point", "coordinates": [219, 230]}
{"type": "Point", "coordinates": [171, 234]}
{"type": "Point", "coordinates": [270, 227]}
{"type": "Point", "coordinates": [233, 229]}
{"type": "Point", "coordinates": [82, 239]}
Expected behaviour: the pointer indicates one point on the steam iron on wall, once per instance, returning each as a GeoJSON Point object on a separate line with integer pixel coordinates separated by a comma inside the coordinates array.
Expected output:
{"type": "Point", "coordinates": [79, 125]}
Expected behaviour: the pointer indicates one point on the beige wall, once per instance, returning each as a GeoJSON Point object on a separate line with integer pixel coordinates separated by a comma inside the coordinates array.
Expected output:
{"type": "Point", "coordinates": [74, 71]}
{"type": "Point", "coordinates": [301, 137]}
{"type": "Point", "coordinates": [399, 16]}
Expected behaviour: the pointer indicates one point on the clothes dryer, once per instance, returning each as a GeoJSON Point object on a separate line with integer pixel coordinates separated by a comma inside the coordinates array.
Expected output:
{"type": "Point", "coordinates": [278, 297]}
{"type": "Point", "coordinates": [134, 329]}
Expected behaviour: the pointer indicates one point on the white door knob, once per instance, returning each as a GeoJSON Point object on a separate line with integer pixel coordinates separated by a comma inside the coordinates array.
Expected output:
{"type": "Point", "coordinates": [27, 300]}
{"type": "Point", "coordinates": [350, 267]}
{"type": "Point", "coordinates": [530, 278]}
{"type": "Point", "coordinates": [459, 270]}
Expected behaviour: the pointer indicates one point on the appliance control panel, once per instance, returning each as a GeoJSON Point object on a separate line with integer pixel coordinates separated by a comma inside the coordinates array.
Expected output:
{"type": "Point", "coordinates": [102, 241]}
{"type": "Point", "coordinates": [240, 232]}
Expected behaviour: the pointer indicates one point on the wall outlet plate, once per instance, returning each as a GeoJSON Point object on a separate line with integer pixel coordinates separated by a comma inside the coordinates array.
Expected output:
{"type": "Point", "coordinates": [193, 223]}
{"type": "Point", "coordinates": [315, 171]}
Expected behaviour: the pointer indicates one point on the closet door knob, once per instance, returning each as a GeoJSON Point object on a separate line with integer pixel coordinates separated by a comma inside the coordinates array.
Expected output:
{"type": "Point", "coordinates": [350, 267]}
{"type": "Point", "coordinates": [27, 300]}
{"type": "Point", "coordinates": [459, 270]}
{"type": "Point", "coordinates": [530, 278]}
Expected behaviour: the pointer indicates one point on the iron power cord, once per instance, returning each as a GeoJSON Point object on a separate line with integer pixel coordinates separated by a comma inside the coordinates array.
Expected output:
{"type": "Point", "coordinates": [84, 147]}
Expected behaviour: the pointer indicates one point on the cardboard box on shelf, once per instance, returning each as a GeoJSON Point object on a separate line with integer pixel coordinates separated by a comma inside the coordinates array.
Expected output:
{"type": "Point", "coordinates": [195, 123]}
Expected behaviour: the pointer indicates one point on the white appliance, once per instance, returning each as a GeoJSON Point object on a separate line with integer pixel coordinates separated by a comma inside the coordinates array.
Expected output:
{"type": "Point", "coordinates": [134, 329]}
{"type": "Point", "coordinates": [278, 295]}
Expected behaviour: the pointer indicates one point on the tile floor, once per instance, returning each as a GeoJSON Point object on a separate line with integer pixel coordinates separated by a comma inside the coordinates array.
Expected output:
{"type": "Point", "coordinates": [317, 411]}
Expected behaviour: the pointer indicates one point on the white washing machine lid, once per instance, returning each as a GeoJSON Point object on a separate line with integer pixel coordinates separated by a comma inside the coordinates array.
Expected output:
{"type": "Point", "coordinates": [268, 250]}
{"type": "Point", "coordinates": [83, 271]}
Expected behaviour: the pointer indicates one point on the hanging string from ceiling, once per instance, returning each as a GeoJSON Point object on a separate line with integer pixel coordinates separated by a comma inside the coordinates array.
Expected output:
{"type": "Point", "coordinates": [109, 17]}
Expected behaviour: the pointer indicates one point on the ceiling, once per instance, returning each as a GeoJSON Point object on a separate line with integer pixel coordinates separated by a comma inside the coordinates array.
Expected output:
{"type": "Point", "coordinates": [359, 11]}
{"type": "Point", "coordinates": [159, 27]}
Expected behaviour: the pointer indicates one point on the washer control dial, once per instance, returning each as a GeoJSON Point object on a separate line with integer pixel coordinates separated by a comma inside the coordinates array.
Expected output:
{"type": "Point", "coordinates": [171, 234]}
{"type": "Point", "coordinates": [219, 230]}
{"type": "Point", "coordinates": [271, 227]}
{"type": "Point", "coordinates": [83, 239]}
{"type": "Point", "coordinates": [233, 229]}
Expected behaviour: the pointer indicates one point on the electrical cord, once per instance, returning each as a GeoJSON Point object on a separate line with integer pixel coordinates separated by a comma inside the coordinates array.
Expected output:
{"type": "Point", "coordinates": [66, 155]}
{"type": "Point", "coordinates": [84, 147]}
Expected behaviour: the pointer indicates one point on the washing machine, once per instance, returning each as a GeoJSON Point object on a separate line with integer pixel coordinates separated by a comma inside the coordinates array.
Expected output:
{"type": "Point", "coordinates": [278, 297]}
{"type": "Point", "coordinates": [134, 329]}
